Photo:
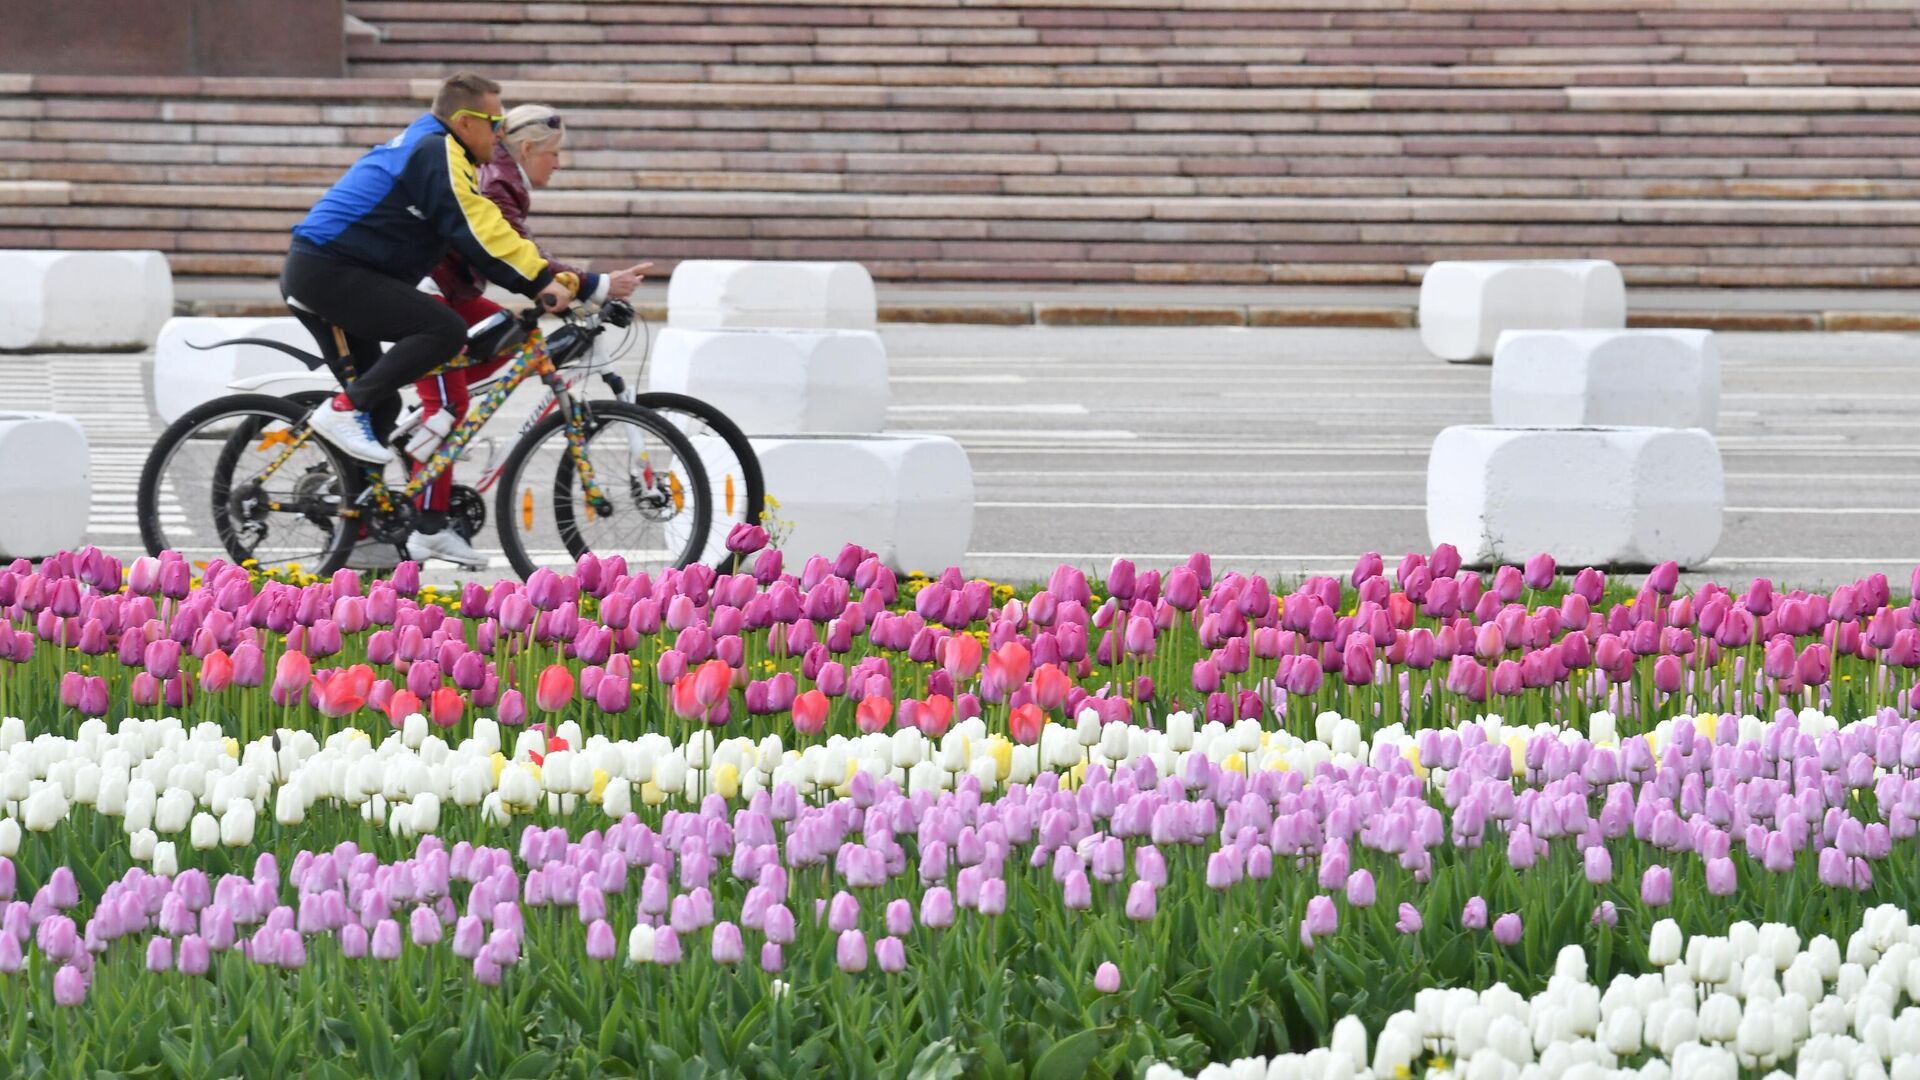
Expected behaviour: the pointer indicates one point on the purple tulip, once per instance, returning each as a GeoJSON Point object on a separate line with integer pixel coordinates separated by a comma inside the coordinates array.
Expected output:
{"type": "Point", "coordinates": [891, 954]}
{"type": "Point", "coordinates": [1409, 921]}
{"type": "Point", "coordinates": [1322, 919]}
{"type": "Point", "coordinates": [1141, 902]}
{"type": "Point", "coordinates": [1474, 916]}
{"type": "Point", "coordinates": [850, 952]}
{"type": "Point", "coordinates": [159, 954]}
{"type": "Point", "coordinates": [727, 946]}
{"type": "Point", "coordinates": [1360, 889]}
{"type": "Point", "coordinates": [1656, 887]}
{"type": "Point", "coordinates": [1507, 930]}
{"type": "Point", "coordinates": [69, 987]}
{"type": "Point", "coordinates": [1599, 865]}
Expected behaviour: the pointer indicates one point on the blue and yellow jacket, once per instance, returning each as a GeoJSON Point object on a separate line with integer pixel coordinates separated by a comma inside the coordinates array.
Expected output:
{"type": "Point", "coordinates": [399, 207]}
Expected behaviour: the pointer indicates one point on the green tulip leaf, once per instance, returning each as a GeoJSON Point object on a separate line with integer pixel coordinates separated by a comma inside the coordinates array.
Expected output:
{"type": "Point", "coordinates": [1071, 1057]}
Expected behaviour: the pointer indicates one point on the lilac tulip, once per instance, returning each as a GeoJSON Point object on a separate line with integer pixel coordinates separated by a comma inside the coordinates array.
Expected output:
{"type": "Point", "coordinates": [1106, 978]}
{"type": "Point", "coordinates": [1507, 930]}
{"type": "Point", "coordinates": [1322, 919]}
{"type": "Point", "coordinates": [1656, 887]}
{"type": "Point", "coordinates": [891, 954]}
{"type": "Point", "coordinates": [850, 952]}
{"type": "Point", "coordinates": [1409, 921]}
{"type": "Point", "coordinates": [1474, 917]}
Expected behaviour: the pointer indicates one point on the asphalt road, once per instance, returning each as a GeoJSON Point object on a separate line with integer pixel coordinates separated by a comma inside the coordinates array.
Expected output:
{"type": "Point", "coordinates": [1279, 451]}
{"type": "Point", "coordinates": [1291, 451]}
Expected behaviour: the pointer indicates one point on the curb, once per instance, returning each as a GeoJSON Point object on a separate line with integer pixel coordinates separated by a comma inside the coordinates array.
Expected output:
{"type": "Point", "coordinates": [1392, 318]}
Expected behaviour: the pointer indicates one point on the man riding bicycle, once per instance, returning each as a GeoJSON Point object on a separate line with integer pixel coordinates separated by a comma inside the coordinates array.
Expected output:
{"type": "Point", "coordinates": [353, 269]}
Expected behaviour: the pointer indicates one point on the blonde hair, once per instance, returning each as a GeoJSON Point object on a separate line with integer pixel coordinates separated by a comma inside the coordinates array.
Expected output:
{"type": "Point", "coordinates": [533, 127]}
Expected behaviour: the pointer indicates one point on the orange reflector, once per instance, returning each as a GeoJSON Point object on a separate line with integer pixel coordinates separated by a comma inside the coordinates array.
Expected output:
{"type": "Point", "coordinates": [272, 439]}
{"type": "Point", "coordinates": [679, 496]}
{"type": "Point", "coordinates": [729, 494]}
{"type": "Point", "coordinates": [526, 509]}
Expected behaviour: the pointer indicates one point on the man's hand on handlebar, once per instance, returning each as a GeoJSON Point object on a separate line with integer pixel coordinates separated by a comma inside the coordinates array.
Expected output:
{"type": "Point", "coordinates": [555, 297]}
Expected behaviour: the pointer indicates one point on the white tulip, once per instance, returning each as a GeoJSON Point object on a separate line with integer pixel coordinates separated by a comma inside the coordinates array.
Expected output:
{"type": "Point", "coordinates": [204, 833]}
{"type": "Point", "coordinates": [166, 863]}
{"type": "Point", "coordinates": [112, 798]}
{"type": "Point", "coordinates": [556, 774]}
{"type": "Point", "coordinates": [519, 788]}
{"type": "Point", "coordinates": [1621, 1032]}
{"type": "Point", "coordinates": [1571, 964]}
{"type": "Point", "coordinates": [9, 838]}
{"type": "Point", "coordinates": [1180, 731]}
{"type": "Point", "coordinates": [1826, 955]}
{"type": "Point", "coordinates": [140, 844]}
{"type": "Point", "coordinates": [1719, 1018]}
{"type": "Point", "coordinates": [1663, 943]}
{"type": "Point", "coordinates": [617, 799]}
{"type": "Point", "coordinates": [374, 811]}
{"type": "Point", "coordinates": [493, 810]}
{"type": "Point", "coordinates": [236, 827]}
{"type": "Point", "coordinates": [45, 808]}
{"type": "Point", "coordinates": [1115, 741]}
{"type": "Point", "coordinates": [426, 812]}
{"type": "Point", "coordinates": [1350, 1039]}
{"type": "Point", "coordinates": [640, 944]}
{"type": "Point", "coordinates": [289, 808]}
{"type": "Point", "coordinates": [986, 772]}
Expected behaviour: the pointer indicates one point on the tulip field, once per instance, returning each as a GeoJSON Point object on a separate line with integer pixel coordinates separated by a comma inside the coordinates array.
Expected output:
{"type": "Point", "coordinates": [823, 820]}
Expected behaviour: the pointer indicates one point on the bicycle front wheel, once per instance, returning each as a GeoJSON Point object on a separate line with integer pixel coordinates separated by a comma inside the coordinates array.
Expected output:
{"type": "Point", "coordinates": [733, 471]}
{"type": "Point", "coordinates": [241, 478]}
{"type": "Point", "coordinates": [655, 502]}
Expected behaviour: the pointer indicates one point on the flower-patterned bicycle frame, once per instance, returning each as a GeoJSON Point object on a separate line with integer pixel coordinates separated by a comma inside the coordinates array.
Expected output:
{"type": "Point", "coordinates": [532, 359]}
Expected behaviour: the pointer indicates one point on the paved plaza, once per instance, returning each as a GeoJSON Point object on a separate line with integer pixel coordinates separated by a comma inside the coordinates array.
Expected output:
{"type": "Point", "coordinates": [1283, 451]}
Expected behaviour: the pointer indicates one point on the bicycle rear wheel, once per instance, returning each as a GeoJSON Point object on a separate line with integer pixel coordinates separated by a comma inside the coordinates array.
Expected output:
{"type": "Point", "coordinates": [732, 469]}
{"type": "Point", "coordinates": [241, 478]}
{"type": "Point", "coordinates": [659, 504]}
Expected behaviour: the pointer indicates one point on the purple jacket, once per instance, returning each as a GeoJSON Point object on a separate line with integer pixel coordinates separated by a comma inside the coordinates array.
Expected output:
{"type": "Point", "coordinates": [502, 182]}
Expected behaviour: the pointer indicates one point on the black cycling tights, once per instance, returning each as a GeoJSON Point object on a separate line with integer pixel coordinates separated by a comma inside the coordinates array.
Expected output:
{"type": "Point", "coordinates": [370, 307]}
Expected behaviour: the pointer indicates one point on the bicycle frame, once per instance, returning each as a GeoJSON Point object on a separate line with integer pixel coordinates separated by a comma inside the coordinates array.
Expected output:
{"type": "Point", "coordinates": [531, 360]}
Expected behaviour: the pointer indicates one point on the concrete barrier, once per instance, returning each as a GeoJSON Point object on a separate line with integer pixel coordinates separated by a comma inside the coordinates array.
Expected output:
{"type": "Point", "coordinates": [83, 299]}
{"type": "Point", "coordinates": [46, 484]}
{"type": "Point", "coordinates": [729, 293]}
{"type": "Point", "coordinates": [909, 498]}
{"type": "Point", "coordinates": [804, 381]}
{"type": "Point", "coordinates": [1464, 306]}
{"type": "Point", "coordinates": [1624, 496]}
{"type": "Point", "coordinates": [184, 377]}
{"type": "Point", "coordinates": [1654, 378]}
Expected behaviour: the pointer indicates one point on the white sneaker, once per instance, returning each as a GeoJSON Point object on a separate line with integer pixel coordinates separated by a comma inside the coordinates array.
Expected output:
{"type": "Point", "coordinates": [445, 544]}
{"type": "Point", "coordinates": [351, 431]}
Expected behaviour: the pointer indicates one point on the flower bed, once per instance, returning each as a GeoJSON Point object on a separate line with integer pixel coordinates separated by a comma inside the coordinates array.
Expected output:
{"type": "Point", "coordinates": [839, 824]}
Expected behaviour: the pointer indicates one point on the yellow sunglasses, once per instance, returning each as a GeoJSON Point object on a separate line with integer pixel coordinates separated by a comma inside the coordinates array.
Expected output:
{"type": "Point", "coordinates": [493, 121]}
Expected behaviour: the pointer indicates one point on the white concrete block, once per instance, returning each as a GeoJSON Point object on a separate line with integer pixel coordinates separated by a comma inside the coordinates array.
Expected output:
{"type": "Point", "coordinates": [737, 293]}
{"type": "Point", "coordinates": [1465, 305]}
{"type": "Point", "coordinates": [184, 377]}
{"type": "Point", "coordinates": [804, 381]}
{"type": "Point", "coordinates": [908, 498]}
{"type": "Point", "coordinates": [46, 487]}
{"type": "Point", "coordinates": [83, 299]}
{"type": "Point", "coordinates": [1579, 378]}
{"type": "Point", "coordinates": [1594, 496]}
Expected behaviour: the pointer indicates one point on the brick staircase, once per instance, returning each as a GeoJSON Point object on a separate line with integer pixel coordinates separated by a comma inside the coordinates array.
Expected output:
{"type": "Point", "coordinates": [1203, 141]}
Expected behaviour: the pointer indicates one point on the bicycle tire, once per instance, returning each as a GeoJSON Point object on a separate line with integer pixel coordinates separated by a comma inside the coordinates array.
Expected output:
{"type": "Point", "coordinates": [737, 442]}
{"type": "Point", "coordinates": [563, 483]}
{"type": "Point", "coordinates": [153, 534]}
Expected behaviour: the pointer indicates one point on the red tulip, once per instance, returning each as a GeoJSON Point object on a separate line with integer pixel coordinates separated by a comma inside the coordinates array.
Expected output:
{"type": "Point", "coordinates": [216, 671]}
{"type": "Point", "coordinates": [937, 715]}
{"type": "Point", "coordinates": [554, 690]}
{"type": "Point", "coordinates": [291, 676]}
{"type": "Point", "coordinates": [810, 712]}
{"type": "Point", "coordinates": [402, 704]}
{"type": "Point", "coordinates": [963, 656]}
{"type": "Point", "coordinates": [710, 682]}
{"type": "Point", "coordinates": [343, 692]}
{"type": "Point", "coordinates": [446, 707]}
{"type": "Point", "coordinates": [1025, 724]}
{"type": "Point", "coordinates": [872, 713]}
{"type": "Point", "coordinates": [685, 704]}
{"type": "Point", "coordinates": [1050, 686]}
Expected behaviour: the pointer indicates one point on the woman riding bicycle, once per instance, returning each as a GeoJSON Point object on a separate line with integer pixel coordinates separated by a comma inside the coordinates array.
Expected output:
{"type": "Point", "coordinates": [527, 154]}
